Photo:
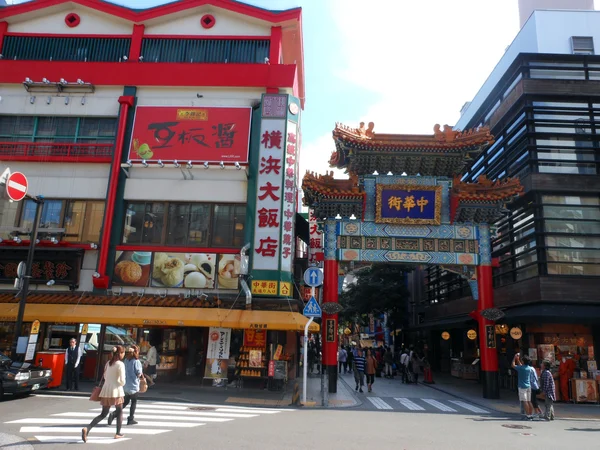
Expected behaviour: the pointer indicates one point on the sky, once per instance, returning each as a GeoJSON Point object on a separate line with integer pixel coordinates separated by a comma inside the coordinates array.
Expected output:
{"type": "Point", "coordinates": [403, 64]}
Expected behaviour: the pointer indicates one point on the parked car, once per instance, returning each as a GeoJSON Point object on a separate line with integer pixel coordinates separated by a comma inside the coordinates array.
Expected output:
{"type": "Point", "coordinates": [21, 378]}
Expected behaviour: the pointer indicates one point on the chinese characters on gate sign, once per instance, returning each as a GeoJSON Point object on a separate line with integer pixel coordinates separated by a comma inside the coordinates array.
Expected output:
{"type": "Point", "coordinates": [407, 203]}
{"type": "Point", "coordinates": [269, 196]}
{"type": "Point", "coordinates": [289, 197]}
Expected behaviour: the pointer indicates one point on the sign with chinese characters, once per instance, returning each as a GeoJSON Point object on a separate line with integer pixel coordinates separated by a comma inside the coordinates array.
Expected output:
{"type": "Point", "coordinates": [472, 334]}
{"type": "Point", "coordinates": [269, 195]}
{"type": "Point", "coordinates": [404, 204]}
{"type": "Point", "coordinates": [60, 266]}
{"type": "Point", "coordinates": [192, 134]}
{"type": "Point", "coordinates": [264, 287]}
{"type": "Point", "coordinates": [255, 338]}
{"type": "Point", "coordinates": [330, 330]}
{"type": "Point", "coordinates": [285, 289]}
{"type": "Point", "coordinates": [516, 333]}
{"type": "Point", "coordinates": [490, 334]}
{"type": "Point", "coordinates": [315, 249]}
{"type": "Point", "coordinates": [275, 106]}
{"type": "Point", "coordinates": [289, 197]}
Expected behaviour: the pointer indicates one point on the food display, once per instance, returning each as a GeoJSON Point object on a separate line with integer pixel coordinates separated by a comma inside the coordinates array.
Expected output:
{"type": "Point", "coordinates": [229, 271]}
{"type": "Point", "coordinates": [132, 268]}
{"type": "Point", "coordinates": [177, 270]}
{"type": "Point", "coordinates": [188, 270]}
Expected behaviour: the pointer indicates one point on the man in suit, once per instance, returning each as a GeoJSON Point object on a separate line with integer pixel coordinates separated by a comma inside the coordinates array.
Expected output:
{"type": "Point", "coordinates": [72, 359]}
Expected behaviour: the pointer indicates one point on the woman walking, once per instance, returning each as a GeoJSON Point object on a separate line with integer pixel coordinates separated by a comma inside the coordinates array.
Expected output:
{"type": "Point", "coordinates": [111, 393]}
{"type": "Point", "coordinates": [370, 368]}
{"type": "Point", "coordinates": [416, 363]}
{"type": "Point", "coordinates": [133, 373]}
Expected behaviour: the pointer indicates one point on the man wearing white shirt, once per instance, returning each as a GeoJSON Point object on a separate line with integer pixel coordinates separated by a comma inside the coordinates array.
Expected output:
{"type": "Point", "coordinates": [72, 359]}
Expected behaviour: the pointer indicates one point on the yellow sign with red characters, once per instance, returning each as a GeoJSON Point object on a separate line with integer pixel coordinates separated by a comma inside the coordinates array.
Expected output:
{"type": "Point", "coordinates": [264, 287]}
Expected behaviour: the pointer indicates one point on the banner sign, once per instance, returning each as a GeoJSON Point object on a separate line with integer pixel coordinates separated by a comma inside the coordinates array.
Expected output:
{"type": "Point", "coordinates": [267, 232]}
{"type": "Point", "coordinates": [192, 134]}
{"type": "Point", "coordinates": [289, 197]}
{"type": "Point", "coordinates": [404, 204]}
{"type": "Point", "coordinates": [60, 266]}
{"type": "Point", "coordinates": [255, 338]}
{"type": "Point", "coordinates": [217, 353]}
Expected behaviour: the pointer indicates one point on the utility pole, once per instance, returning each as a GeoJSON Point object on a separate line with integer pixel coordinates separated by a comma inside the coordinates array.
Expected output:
{"type": "Point", "coordinates": [39, 205]}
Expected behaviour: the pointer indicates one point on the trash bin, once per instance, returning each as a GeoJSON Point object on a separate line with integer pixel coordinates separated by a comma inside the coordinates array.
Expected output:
{"type": "Point", "coordinates": [54, 361]}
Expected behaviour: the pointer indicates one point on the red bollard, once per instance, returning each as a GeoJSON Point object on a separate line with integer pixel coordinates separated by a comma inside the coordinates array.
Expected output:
{"type": "Point", "coordinates": [427, 375]}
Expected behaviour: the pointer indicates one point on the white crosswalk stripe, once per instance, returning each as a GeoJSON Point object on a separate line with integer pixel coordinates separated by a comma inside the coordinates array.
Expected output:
{"type": "Point", "coordinates": [426, 405]}
{"type": "Point", "coordinates": [439, 405]}
{"type": "Point", "coordinates": [153, 418]}
{"type": "Point", "coordinates": [379, 403]}
{"type": "Point", "coordinates": [470, 407]}
{"type": "Point", "coordinates": [410, 404]}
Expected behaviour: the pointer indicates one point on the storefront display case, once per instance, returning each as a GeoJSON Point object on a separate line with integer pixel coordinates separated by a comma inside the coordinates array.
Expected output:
{"type": "Point", "coordinates": [252, 362]}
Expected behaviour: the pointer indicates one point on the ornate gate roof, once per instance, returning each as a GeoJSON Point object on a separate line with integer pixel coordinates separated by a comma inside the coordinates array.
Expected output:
{"type": "Point", "coordinates": [446, 152]}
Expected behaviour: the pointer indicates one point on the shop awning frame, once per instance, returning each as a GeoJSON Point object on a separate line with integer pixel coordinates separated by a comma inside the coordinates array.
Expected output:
{"type": "Point", "coordinates": [156, 316]}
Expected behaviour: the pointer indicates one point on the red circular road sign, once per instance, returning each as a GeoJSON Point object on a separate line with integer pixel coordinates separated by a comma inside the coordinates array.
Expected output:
{"type": "Point", "coordinates": [16, 186]}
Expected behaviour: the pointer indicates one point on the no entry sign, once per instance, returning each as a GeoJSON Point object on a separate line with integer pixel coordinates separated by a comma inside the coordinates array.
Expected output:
{"type": "Point", "coordinates": [16, 186]}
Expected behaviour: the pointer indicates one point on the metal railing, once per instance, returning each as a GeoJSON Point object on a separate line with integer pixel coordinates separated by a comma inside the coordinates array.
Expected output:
{"type": "Point", "coordinates": [205, 50]}
{"type": "Point", "coordinates": [55, 149]}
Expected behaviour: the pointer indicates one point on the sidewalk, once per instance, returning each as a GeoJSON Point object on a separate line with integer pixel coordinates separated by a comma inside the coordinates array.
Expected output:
{"type": "Point", "coordinates": [193, 393]}
{"type": "Point", "coordinates": [472, 391]}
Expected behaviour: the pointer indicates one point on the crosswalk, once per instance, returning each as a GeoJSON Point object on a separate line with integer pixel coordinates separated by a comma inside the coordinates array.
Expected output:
{"type": "Point", "coordinates": [426, 405]}
{"type": "Point", "coordinates": [153, 418]}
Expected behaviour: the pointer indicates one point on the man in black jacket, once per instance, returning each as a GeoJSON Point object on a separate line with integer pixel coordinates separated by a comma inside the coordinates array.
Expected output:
{"type": "Point", "coordinates": [72, 359]}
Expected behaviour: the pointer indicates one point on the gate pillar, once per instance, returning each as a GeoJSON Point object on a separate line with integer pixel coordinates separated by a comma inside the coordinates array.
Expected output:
{"type": "Point", "coordinates": [329, 325]}
{"type": "Point", "coordinates": [487, 336]}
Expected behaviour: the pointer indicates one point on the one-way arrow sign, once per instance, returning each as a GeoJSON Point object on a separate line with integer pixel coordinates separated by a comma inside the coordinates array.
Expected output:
{"type": "Point", "coordinates": [312, 309]}
{"type": "Point", "coordinates": [313, 277]}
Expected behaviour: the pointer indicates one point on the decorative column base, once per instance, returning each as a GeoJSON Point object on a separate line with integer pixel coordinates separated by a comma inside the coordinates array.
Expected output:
{"type": "Point", "coordinates": [332, 372]}
{"type": "Point", "coordinates": [491, 386]}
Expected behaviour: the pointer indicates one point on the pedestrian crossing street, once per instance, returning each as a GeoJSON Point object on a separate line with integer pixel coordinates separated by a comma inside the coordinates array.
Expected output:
{"type": "Point", "coordinates": [426, 405]}
{"type": "Point", "coordinates": [153, 418]}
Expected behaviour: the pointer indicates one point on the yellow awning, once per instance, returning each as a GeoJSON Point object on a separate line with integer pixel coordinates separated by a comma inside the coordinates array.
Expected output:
{"type": "Point", "coordinates": [159, 316]}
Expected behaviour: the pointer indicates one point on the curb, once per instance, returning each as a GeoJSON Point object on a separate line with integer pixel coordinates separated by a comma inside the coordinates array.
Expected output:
{"type": "Point", "coordinates": [358, 400]}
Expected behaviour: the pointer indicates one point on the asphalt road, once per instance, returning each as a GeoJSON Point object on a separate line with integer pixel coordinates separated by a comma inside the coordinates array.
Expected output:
{"type": "Point", "coordinates": [51, 422]}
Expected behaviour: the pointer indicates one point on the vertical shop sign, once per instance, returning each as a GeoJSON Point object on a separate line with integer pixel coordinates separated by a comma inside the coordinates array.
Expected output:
{"type": "Point", "coordinates": [289, 197]}
{"type": "Point", "coordinates": [330, 330]}
{"type": "Point", "coordinates": [217, 353]}
{"type": "Point", "coordinates": [315, 248]}
{"type": "Point", "coordinates": [269, 195]}
{"type": "Point", "coordinates": [490, 332]}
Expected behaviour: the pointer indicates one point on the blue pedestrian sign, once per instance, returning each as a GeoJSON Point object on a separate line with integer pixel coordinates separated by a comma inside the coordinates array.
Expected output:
{"type": "Point", "coordinates": [313, 277]}
{"type": "Point", "coordinates": [312, 309]}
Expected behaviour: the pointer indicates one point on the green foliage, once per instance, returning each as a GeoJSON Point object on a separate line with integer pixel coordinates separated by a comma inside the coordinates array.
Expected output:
{"type": "Point", "coordinates": [380, 288]}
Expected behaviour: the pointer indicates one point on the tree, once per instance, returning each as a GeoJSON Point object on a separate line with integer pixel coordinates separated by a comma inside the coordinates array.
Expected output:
{"type": "Point", "coordinates": [380, 288]}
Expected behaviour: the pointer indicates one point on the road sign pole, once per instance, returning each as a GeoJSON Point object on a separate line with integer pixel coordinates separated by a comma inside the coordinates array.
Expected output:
{"type": "Point", "coordinates": [305, 359]}
{"type": "Point", "coordinates": [39, 202]}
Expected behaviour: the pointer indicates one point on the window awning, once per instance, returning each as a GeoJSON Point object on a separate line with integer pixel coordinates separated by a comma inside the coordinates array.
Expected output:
{"type": "Point", "coordinates": [152, 316]}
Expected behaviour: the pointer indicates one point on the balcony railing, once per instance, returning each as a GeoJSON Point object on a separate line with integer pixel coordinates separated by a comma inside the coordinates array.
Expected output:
{"type": "Point", "coordinates": [57, 151]}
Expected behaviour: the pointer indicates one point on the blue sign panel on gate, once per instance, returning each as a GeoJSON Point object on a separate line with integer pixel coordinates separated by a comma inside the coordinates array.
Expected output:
{"type": "Point", "coordinates": [312, 308]}
{"type": "Point", "coordinates": [404, 205]}
{"type": "Point", "coordinates": [313, 277]}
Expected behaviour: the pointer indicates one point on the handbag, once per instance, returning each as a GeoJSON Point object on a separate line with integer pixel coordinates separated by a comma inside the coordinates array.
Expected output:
{"type": "Point", "coordinates": [95, 396]}
{"type": "Point", "coordinates": [143, 385]}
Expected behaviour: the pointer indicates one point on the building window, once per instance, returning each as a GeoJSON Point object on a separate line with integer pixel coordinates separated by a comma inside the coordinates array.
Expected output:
{"type": "Point", "coordinates": [582, 45]}
{"type": "Point", "coordinates": [84, 130]}
{"type": "Point", "coordinates": [8, 218]}
{"type": "Point", "coordinates": [68, 220]}
{"type": "Point", "coordinates": [185, 224]}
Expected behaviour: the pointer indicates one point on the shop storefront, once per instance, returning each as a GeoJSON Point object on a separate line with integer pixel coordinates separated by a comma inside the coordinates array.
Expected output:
{"type": "Point", "coordinates": [196, 345]}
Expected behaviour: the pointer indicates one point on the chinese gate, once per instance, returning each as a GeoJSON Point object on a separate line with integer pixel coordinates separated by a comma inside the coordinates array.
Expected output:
{"type": "Point", "coordinates": [426, 216]}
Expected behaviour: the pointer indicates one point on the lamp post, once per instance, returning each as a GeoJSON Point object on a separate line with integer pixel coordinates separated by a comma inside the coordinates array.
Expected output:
{"type": "Point", "coordinates": [39, 204]}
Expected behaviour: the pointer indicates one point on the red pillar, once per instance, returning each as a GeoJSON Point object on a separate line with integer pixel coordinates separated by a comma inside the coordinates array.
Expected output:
{"type": "Point", "coordinates": [103, 280]}
{"type": "Point", "coordinates": [329, 325]}
{"type": "Point", "coordinates": [3, 30]}
{"type": "Point", "coordinates": [487, 336]}
{"type": "Point", "coordinates": [136, 42]}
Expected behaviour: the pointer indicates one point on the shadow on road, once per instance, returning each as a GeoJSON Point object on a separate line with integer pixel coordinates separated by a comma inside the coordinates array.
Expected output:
{"type": "Point", "coordinates": [583, 429]}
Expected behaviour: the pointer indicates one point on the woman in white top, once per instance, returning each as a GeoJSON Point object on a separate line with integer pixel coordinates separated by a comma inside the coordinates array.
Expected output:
{"type": "Point", "coordinates": [112, 392]}
{"type": "Point", "coordinates": [151, 362]}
